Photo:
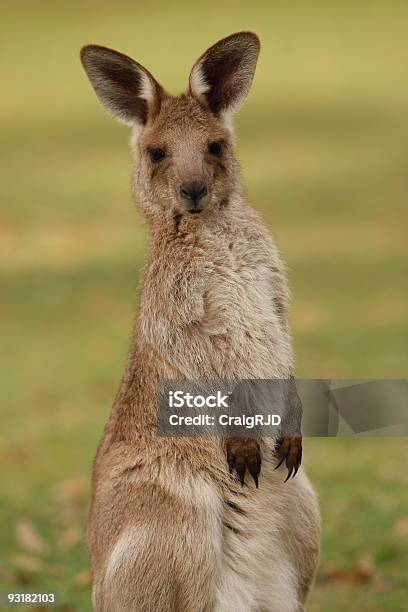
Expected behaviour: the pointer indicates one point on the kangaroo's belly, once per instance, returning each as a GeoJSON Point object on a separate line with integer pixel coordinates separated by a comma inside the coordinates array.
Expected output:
{"type": "Point", "coordinates": [247, 547]}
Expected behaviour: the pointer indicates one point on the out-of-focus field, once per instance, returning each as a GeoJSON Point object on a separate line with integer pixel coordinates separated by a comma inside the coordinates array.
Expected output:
{"type": "Point", "coordinates": [323, 141]}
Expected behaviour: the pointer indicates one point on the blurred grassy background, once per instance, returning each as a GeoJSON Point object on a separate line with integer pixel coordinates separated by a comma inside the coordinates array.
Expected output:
{"type": "Point", "coordinates": [324, 149]}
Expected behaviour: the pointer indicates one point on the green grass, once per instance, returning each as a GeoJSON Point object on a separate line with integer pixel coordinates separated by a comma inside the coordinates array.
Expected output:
{"type": "Point", "coordinates": [323, 145]}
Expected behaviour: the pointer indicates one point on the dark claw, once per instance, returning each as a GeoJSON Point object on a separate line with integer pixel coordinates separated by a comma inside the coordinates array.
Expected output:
{"type": "Point", "coordinates": [289, 450]}
{"type": "Point", "coordinates": [241, 469]}
{"type": "Point", "coordinates": [243, 454]}
{"type": "Point", "coordinates": [289, 474]}
{"type": "Point", "coordinates": [280, 463]}
{"type": "Point", "coordinates": [299, 461]}
{"type": "Point", "coordinates": [254, 468]}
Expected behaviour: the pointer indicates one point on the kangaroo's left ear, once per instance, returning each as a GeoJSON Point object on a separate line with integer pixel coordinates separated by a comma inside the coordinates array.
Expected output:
{"type": "Point", "coordinates": [222, 76]}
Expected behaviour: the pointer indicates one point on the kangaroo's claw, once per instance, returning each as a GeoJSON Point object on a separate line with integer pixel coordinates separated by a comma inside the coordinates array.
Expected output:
{"type": "Point", "coordinates": [289, 450]}
{"type": "Point", "coordinates": [243, 454]}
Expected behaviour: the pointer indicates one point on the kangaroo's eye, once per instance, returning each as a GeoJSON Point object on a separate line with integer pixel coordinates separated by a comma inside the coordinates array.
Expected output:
{"type": "Point", "coordinates": [216, 148]}
{"type": "Point", "coordinates": [156, 155]}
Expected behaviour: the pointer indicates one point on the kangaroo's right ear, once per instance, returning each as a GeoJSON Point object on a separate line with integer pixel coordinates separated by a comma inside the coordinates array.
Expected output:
{"type": "Point", "coordinates": [126, 89]}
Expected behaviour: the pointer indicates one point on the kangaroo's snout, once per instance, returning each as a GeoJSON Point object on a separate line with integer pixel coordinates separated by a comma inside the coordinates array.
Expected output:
{"type": "Point", "coordinates": [192, 193]}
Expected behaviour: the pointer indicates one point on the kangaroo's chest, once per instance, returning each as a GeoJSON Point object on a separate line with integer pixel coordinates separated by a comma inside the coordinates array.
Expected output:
{"type": "Point", "coordinates": [239, 297]}
{"type": "Point", "coordinates": [239, 315]}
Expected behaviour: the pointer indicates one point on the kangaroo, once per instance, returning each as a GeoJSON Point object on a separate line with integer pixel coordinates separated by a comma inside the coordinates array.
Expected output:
{"type": "Point", "coordinates": [170, 528]}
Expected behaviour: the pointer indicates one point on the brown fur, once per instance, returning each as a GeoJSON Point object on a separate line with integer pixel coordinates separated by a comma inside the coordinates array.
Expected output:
{"type": "Point", "coordinates": [169, 528]}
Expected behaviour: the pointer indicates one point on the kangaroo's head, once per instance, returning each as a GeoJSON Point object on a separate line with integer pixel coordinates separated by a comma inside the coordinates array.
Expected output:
{"type": "Point", "coordinates": [184, 144]}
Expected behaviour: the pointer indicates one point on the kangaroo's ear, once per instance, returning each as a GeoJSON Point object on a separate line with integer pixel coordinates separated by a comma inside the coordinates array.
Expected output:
{"type": "Point", "coordinates": [222, 76]}
{"type": "Point", "coordinates": [126, 89]}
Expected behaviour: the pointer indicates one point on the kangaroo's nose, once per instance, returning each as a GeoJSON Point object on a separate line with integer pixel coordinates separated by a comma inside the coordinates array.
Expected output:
{"type": "Point", "coordinates": [193, 192]}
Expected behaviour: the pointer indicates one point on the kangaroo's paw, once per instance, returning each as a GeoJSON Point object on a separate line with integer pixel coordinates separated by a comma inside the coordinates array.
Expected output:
{"type": "Point", "coordinates": [243, 454]}
{"type": "Point", "coordinates": [289, 450]}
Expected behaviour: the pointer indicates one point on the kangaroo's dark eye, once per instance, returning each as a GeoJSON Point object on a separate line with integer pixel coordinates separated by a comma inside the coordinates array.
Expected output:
{"type": "Point", "coordinates": [216, 148]}
{"type": "Point", "coordinates": [156, 155]}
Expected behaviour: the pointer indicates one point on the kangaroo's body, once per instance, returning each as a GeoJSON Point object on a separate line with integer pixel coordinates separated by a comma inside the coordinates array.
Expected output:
{"type": "Point", "coordinates": [170, 529]}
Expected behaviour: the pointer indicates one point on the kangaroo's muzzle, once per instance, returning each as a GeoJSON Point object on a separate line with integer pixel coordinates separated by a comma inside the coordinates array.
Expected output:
{"type": "Point", "coordinates": [193, 193]}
